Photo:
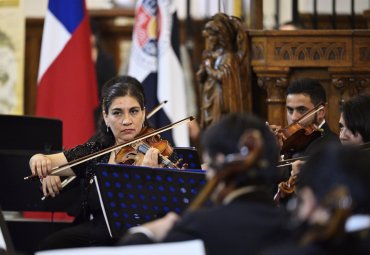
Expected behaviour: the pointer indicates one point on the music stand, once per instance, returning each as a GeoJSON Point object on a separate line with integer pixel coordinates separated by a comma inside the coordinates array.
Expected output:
{"type": "Point", "coordinates": [132, 195]}
{"type": "Point", "coordinates": [189, 155]}
{"type": "Point", "coordinates": [5, 240]}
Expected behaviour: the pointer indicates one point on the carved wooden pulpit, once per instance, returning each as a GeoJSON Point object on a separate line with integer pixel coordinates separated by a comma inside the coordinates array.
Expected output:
{"type": "Point", "coordinates": [339, 59]}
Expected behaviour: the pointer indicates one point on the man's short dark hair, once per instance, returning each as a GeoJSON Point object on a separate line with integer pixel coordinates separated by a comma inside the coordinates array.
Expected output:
{"type": "Point", "coordinates": [310, 87]}
{"type": "Point", "coordinates": [357, 117]}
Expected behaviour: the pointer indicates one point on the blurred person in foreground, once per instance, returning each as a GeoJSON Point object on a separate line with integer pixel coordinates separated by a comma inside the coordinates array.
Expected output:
{"type": "Point", "coordinates": [332, 205]}
{"type": "Point", "coordinates": [241, 153]}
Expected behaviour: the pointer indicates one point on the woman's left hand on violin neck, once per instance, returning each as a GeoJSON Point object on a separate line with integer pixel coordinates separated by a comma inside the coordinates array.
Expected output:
{"type": "Point", "coordinates": [151, 158]}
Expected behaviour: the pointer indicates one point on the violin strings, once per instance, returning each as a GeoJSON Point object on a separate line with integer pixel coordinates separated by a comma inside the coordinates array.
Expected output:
{"type": "Point", "coordinates": [164, 160]}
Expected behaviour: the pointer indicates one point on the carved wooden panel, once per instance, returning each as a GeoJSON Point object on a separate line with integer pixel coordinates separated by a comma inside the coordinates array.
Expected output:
{"type": "Point", "coordinates": [340, 60]}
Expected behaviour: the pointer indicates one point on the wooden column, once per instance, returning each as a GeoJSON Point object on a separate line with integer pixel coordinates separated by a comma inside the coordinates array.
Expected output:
{"type": "Point", "coordinates": [255, 16]}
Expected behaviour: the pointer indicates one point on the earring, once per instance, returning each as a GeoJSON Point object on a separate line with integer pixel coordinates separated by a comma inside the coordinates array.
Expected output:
{"type": "Point", "coordinates": [107, 128]}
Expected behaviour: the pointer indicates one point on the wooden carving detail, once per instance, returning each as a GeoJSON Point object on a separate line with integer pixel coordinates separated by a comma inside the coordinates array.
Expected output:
{"type": "Point", "coordinates": [303, 51]}
{"type": "Point", "coordinates": [275, 88]}
{"type": "Point", "coordinates": [351, 86]}
{"type": "Point", "coordinates": [364, 54]}
{"type": "Point", "coordinates": [222, 75]}
{"type": "Point", "coordinates": [258, 51]}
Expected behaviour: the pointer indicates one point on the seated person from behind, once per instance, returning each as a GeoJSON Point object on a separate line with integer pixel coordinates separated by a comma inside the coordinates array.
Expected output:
{"type": "Point", "coordinates": [333, 206]}
{"type": "Point", "coordinates": [243, 219]}
{"type": "Point", "coordinates": [123, 119]}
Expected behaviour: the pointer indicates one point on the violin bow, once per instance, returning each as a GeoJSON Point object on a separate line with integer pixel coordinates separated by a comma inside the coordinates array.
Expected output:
{"type": "Point", "coordinates": [156, 109]}
{"type": "Point", "coordinates": [308, 114]}
{"type": "Point", "coordinates": [63, 167]}
{"type": "Point", "coordinates": [150, 114]}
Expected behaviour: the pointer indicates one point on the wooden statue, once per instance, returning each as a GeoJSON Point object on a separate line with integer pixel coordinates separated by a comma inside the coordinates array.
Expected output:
{"type": "Point", "coordinates": [223, 72]}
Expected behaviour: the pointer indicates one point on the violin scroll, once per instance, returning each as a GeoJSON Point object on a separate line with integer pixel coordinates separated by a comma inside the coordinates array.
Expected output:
{"type": "Point", "coordinates": [251, 146]}
{"type": "Point", "coordinates": [286, 188]}
{"type": "Point", "coordinates": [338, 202]}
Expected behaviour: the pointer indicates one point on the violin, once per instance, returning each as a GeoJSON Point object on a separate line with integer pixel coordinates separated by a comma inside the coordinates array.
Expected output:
{"type": "Point", "coordinates": [134, 154]}
{"type": "Point", "coordinates": [297, 136]}
{"type": "Point", "coordinates": [120, 159]}
{"type": "Point", "coordinates": [75, 162]}
{"type": "Point", "coordinates": [286, 188]}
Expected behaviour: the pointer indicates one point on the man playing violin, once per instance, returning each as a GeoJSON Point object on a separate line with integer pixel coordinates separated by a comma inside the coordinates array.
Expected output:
{"type": "Point", "coordinates": [123, 119]}
{"type": "Point", "coordinates": [241, 156]}
{"type": "Point", "coordinates": [354, 124]}
{"type": "Point", "coordinates": [303, 95]}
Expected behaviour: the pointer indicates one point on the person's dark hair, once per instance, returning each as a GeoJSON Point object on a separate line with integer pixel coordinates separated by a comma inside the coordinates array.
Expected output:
{"type": "Point", "coordinates": [336, 165]}
{"type": "Point", "coordinates": [118, 87]}
{"type": "Point", "coordinates": [223, 137]}
{"type": "Point", "coordinates": [356, 115]}
{"type": "Point", "coordinates": [310, 87]}
{"type": "Point", "coordinates": [294, 24]}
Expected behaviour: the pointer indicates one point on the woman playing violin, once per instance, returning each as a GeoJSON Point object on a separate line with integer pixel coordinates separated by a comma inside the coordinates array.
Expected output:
{"type": "Point", "coordinates": [123, 119]}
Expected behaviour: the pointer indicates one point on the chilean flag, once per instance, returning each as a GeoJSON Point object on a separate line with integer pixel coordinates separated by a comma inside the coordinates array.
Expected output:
{"type": "Point", "coordinates": [67, 86]}
{"type": "Point", "coordinates": [155, 62]}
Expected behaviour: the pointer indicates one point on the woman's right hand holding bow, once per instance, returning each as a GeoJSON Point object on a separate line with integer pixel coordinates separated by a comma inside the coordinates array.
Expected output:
{"type": "Point", "coordinates": [40, 165]}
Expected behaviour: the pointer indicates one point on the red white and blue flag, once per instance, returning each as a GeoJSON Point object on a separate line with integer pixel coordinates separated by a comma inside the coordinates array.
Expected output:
{"type": "Point", "coordinates": [67, 87]}
{"type": "Point", "coordinates": [156, 63]}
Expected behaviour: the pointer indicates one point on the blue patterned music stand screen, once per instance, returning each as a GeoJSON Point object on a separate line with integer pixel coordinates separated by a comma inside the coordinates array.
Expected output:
{"type": "Point", "coordinates": [132, 195]}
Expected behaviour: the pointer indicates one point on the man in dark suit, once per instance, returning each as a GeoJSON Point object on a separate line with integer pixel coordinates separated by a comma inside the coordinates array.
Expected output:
{"type": "Point", "coordinates": [303, 95]}
{"type": "Point", "coordinates": [241, 151]}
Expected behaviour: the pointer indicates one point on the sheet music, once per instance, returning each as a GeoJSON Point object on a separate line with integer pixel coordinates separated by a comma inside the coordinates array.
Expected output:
{"type": "Point", "coordinates": [194, 247]}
